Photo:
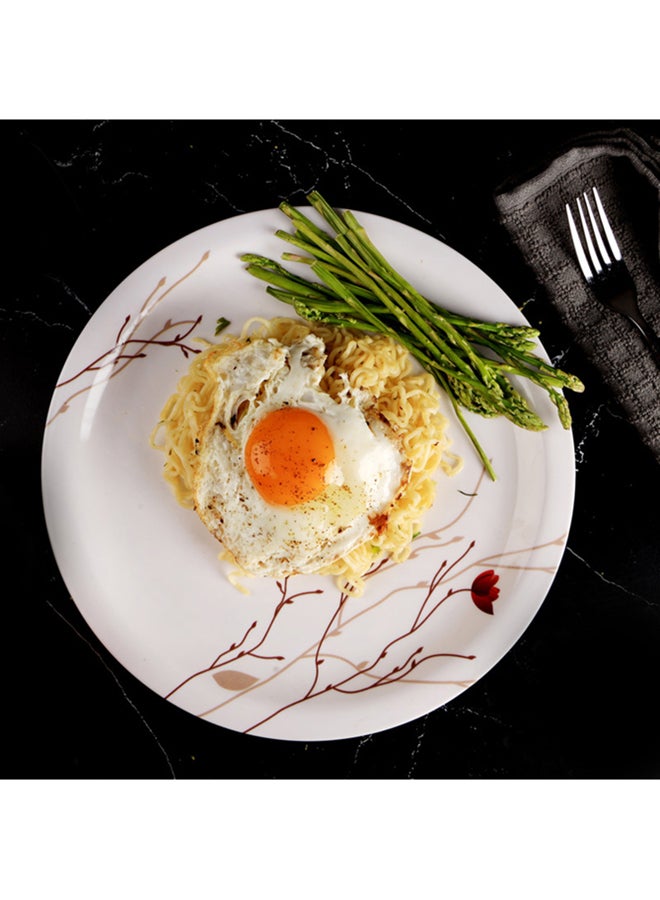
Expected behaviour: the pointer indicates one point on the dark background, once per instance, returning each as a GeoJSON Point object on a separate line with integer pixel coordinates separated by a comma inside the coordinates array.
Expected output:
{"type": "Point", "coordinates": [85, 202]}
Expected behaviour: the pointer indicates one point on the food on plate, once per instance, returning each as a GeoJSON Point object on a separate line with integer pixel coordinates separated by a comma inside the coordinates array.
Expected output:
{"type": "Point", "coordinates": [471, 360]}
{"type": "Point", "coordinates": [306, 448]}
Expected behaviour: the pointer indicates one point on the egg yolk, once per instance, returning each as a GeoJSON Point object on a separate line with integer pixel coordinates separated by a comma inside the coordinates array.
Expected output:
{"type": "Point", "coordinates": [287, 455]}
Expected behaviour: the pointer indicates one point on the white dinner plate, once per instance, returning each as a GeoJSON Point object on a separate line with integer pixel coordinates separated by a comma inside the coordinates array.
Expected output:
{"type": "Point", "coordinates": [292, 659]}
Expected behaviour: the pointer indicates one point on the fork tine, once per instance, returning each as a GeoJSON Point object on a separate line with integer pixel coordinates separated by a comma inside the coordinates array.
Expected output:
{"type": "Point", "coordinates": [605, 256]}
{"type": "Point", "coordinates": [579, 250]}
{"type": "Point", "coordinates": [608, 228]}
{"type": "Point", "coordinates": [587, 236]}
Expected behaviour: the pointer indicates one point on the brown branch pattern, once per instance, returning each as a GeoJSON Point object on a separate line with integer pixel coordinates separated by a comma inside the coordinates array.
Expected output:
{"type": "Point", "coordinates": [391, 662]}
{"type": "Point", "coordinates": [398, 671]}
{"type": "Point", "coordinates": [236, 651]}
{"type": "Point", "coordinates": [128, 346]}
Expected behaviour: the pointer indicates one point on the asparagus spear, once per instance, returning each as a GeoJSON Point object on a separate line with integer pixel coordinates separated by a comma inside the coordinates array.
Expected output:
{"type": "Point", "coordinates": [358, 288]}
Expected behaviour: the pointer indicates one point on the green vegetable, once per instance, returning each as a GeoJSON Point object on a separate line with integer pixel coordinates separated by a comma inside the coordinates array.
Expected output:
{"type": "Point", "coordinates": [221, 324]}
{"type": "Point", "coordinates": [473, 361]}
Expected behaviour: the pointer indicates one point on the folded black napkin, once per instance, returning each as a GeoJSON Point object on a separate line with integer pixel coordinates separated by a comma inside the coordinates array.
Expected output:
{"type": "Point", "coordinates": [625, 168]}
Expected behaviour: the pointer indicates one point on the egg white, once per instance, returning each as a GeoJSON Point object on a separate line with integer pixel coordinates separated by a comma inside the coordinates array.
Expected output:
{"type": "Point", "coordinates": [368, 473]}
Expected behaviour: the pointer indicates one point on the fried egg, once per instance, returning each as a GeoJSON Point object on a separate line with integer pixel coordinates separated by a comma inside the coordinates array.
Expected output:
{"type": "Point", "coordinates": [289, 479]}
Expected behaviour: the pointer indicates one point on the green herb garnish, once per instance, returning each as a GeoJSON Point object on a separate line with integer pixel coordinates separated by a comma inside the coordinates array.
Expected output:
{"type": "Point", "coordinates": [221, 324]}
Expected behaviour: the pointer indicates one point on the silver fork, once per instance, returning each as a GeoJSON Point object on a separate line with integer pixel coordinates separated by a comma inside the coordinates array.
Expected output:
{"type": "Point", "coordinates": [604, 268]}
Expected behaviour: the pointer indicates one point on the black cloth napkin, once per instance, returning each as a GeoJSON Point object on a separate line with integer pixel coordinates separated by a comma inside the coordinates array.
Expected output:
{"type": "Point", "coordinates": [625, 168]}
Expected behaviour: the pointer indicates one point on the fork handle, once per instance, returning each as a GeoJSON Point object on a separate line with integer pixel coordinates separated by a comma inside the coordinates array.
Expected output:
{"type": "Point", "coordinates": [652, 342]}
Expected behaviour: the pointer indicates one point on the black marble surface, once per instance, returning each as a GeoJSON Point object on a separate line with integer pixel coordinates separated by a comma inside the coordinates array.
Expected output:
{"type": "Point", "coordinates": [85, 202]}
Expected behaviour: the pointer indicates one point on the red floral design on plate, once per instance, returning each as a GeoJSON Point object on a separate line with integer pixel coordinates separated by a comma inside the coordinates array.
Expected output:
{"type": "Point", "coordinates": [484, 592]}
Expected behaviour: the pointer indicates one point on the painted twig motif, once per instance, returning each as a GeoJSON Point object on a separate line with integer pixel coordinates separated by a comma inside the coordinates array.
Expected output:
{"type": "Point", "coordinates": [356, 682]}
{"type": "Point", "coordinates": [241, 649]}
{"type": "Point", "coordinates": [334, 627]}
{"type": "Point", "coordinates": [116, 354]}
{"type": "Point", "coordinates": [401, 657]}
{"type": "Point", "coordinates": [483, 593]}
{"type": "Point", "coordinates": [128, 346]}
